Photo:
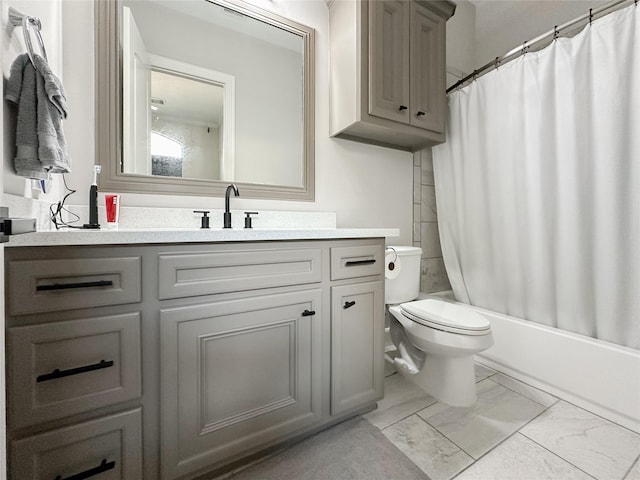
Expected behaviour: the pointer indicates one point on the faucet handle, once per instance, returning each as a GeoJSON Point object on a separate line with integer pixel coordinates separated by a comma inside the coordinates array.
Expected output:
{"type": "Point", "coordinates": [247, 219]}
{"type": "Point", "coordinates": [204, 221]}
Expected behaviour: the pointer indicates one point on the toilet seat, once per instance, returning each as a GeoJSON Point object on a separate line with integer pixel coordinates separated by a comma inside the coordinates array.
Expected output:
{"type": "Point", "coordinates": [446, 316]}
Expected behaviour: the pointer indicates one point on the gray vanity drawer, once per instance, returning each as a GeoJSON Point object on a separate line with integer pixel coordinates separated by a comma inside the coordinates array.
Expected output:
{"type": "Point", "coordinates": [59, 369]}
{"type": "Point", "coordinates": [64, 284]}
{"type": "Point", "coordinates": [110, 447]}
{"type": "Point", "coordinates": [206, 273]}
{"type": "Point", "coordinates": [357, 261]}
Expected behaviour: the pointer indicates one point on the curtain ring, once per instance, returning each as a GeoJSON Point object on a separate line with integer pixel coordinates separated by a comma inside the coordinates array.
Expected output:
{"type": "Point", "coordinates": [590, 16]}
{"type": "Point", "coordinates": [556, 33]}
{"type": "Point", "coordinates": [525, 48]}
{"type": "Point", "coordinates": [496, 63]}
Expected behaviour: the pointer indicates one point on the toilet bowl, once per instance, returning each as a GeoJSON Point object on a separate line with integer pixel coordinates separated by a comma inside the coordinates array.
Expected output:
{"type": "Point", "coordinates": [435, 339]}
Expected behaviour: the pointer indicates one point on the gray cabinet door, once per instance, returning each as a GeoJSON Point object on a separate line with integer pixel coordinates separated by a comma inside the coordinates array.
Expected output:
{"type": "Point", "coordinates": [236, 375]}
{"type": "Point", "coordinates": [389, 59]}
{"type": "Point", "coordinates": [427, 68]}
{"type": "Point", "coordinates": [357, 345]}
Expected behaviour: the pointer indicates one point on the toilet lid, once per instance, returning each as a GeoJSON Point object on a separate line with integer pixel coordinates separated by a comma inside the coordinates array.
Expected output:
{"type": "Point", "coordinates": [446, 316]}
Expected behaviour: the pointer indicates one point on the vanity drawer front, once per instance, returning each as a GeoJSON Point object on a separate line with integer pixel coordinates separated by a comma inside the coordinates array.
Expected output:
{"type": "Point", "coordinates": [356, 261]}
{"type": "Point", "coordinates": [64, 284]}
{"type": "Point", "coordinates": [63, 368]}
{"type": "Point", "coordinates": [206, 273]}
{"type": "Point", "coordinates": [109, 448]}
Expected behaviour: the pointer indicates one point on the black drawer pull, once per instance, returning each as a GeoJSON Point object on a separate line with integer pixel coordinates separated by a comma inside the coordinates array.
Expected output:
{"type": "Point", "coordinates": [67, 286]}
{"type": "Point", "coordinates": [57, 373]}
{"type": "Point", "coordinates": [354, 263]}
{"type": "Point", "coordinates": [308, 313]}
{"type": "Point", "coordinates": [349, 304]}
{"type": "Point", "coordinates": [420, 113]}
{"type": "Point", "coordinates": [103, 467]}
{"type": "Point", "coordinates": [402, 107]}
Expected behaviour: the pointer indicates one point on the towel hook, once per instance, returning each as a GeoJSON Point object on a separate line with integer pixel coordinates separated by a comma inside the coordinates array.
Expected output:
{"type": "Point", "coordinates": [28, 23]}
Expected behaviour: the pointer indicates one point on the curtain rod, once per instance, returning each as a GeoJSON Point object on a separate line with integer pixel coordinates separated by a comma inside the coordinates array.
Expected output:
{"type": "Point", "coordinates": [536, 42]}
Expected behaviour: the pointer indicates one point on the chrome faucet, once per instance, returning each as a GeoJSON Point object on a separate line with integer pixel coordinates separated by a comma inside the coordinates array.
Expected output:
{"type": "Point", "coordinates": [227, 212]}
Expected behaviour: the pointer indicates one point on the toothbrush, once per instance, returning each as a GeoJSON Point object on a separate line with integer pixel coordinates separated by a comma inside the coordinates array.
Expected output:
{"type": "Point", "coordinates": [93, 200]}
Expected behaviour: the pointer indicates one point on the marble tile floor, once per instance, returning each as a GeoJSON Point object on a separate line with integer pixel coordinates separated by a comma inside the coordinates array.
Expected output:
{"type": "Point", "coordinates": [513, 432]}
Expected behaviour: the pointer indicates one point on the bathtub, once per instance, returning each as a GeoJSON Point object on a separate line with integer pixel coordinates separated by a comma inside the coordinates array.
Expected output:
{"type": "Point", "coordinates": [598, 376]}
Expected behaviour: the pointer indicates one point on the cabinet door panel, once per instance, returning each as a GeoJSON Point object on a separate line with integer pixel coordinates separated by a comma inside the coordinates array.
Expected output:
{"type": "Point", "coordinates": [427, 68]}
{"type": "Point", "coordinates": [389, 60]}
{"type": "Point", "coordinates": [236, 375]}
{"type": "Point", "coordinates": [357, 356]}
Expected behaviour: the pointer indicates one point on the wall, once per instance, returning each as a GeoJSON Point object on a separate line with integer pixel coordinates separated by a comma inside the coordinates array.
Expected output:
{"type": "Point", "coordinates": [13, 44]}
{"type": "Point", "coordinates": [366, 186]}
{"type": "Point", "coordinates": [504, 25]}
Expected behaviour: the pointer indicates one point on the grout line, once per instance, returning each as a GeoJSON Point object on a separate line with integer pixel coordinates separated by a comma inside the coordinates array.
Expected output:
{"type": "Point", "coordinates": [560, 398]}
{"type": "Point", "coordinates": [407, 416]}
{"type": "Point", "coordinates": [626, 474]}
{"type": "Point", "coordinates": [518, 431]}
{"type": "Point", "coordinates": [526, 396]}
{"type": "Point", "coordinates": [558, 455]}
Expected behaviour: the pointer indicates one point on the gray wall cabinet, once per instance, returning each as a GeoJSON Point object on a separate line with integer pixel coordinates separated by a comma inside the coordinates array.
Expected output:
{"type": "Point", "coordinates": [388, 71]}
{"type": "Point", "coordinates": [173, 361]}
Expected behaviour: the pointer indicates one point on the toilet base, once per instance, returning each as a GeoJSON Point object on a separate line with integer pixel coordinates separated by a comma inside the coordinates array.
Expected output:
{"type": "Point", "coordinates": [450, 380]}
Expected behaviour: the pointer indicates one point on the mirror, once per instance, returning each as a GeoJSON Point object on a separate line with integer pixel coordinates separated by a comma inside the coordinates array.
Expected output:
{"type": "Point", "coordinates": [195, 94]}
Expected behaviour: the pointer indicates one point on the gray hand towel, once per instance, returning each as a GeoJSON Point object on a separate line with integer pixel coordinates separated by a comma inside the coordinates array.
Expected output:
{"type": "Point", "coordinates": [41, 147]}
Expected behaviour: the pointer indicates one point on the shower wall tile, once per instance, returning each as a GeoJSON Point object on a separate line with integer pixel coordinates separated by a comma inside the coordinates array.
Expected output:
{"type": "Point", "coordinates": [430, 240]}
{"type": "Point", "coordinates": [433, 276]}
{"type": "Point", "coordinates": [427, 167]}
{"type": "Point", "coordinates": [417, 187]}
{"type": "Point", "coordinates": [428, 204]}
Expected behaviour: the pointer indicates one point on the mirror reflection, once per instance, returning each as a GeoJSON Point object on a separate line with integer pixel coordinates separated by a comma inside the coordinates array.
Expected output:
{"type": "Point", "coordinates": [211, 94]}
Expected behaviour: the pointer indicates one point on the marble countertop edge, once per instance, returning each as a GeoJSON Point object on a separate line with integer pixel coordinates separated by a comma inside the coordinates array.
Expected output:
{"type": "Point", "coordinates": [119, 236]}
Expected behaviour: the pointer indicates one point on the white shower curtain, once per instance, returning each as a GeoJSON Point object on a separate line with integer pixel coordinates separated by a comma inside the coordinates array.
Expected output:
{"type": "Point", "coordinates": [538, 184]}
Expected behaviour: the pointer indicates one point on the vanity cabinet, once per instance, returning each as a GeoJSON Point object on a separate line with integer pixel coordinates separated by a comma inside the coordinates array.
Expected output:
{"type": "Point", "coordinates": [388, 71]}
{"type": "Point", "coordinates": [73, 365]}
{"type": "Point", "coordinates": [240, 346]}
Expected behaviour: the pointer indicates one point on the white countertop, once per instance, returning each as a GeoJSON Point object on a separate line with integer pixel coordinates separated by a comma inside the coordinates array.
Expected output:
{"type": "Point", "coordinates": [122, 236]}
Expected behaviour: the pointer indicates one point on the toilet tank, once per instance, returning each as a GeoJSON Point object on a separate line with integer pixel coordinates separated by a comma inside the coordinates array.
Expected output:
{"type": "Point", "coordinates": [406, 285]}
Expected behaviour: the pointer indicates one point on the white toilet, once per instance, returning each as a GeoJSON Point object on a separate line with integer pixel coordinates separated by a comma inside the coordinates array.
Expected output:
{"type": "Point", "coordinates": [435, 339]}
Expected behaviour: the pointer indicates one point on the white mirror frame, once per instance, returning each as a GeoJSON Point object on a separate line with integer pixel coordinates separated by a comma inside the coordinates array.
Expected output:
{"type": "Point", "coordinates": [109, 116]}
